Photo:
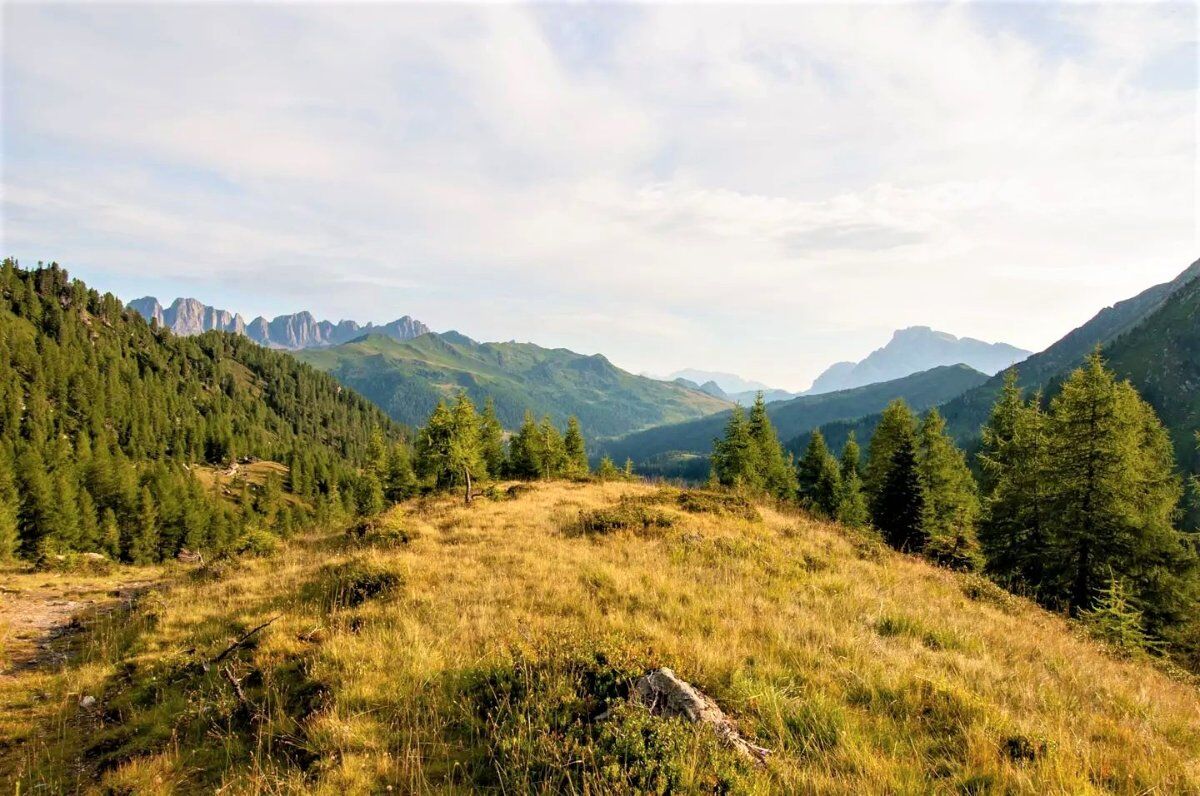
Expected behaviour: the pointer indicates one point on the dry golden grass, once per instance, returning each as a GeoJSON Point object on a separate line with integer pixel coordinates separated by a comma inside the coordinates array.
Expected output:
{"type": "Point", "coordinates": [393, 663]}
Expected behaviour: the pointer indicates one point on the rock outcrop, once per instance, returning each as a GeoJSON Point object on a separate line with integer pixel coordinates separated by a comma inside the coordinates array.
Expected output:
{"type": "Point", "coordinates": [187, 316]}
{"type": "Point", "coordinates": [667, 695]}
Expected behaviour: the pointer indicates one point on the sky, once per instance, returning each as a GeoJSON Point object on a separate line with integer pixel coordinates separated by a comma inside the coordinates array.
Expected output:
{"type": "Point", "coordinates": [762, 190]}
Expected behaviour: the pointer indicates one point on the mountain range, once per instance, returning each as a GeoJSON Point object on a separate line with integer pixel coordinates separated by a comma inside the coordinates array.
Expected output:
{"type": "Point", "coordinates": [187, 316]}
{"type": "Point", "coordinates": [1152, 339]}
{"type": "Point", "coordinates": [681, 450]}
{"type": "Point", "coordinates": [408, 377]}
{"type": "Point", "coordinates": [913, 350]}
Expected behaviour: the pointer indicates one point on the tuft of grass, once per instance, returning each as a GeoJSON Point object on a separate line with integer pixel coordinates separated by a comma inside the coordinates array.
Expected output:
{"type": "Point", "coordinates": [351, 583]}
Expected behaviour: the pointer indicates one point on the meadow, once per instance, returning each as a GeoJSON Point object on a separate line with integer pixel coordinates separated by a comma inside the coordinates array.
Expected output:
{"type": "Point", "coordinates": [455, 648]}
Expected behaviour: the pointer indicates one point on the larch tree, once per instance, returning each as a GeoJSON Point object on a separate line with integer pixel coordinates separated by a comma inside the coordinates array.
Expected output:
{"type": "Point", "coordinates": [1015, 478]}
{"type": "Point", "coordinates": [1112, 500]}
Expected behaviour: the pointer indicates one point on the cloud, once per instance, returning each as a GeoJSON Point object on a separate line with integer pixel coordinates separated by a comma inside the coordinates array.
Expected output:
{"type": "Point", "coordinates": [760, 190]}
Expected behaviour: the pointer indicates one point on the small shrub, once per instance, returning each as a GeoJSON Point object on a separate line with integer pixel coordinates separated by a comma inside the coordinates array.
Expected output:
{"type": "Point", "coordinates": [353, 583]}
{"type": "Point", "coordinates": [76, 564]}
{"type": "Point", "coordinates": [258, 542]}
{"type": "Point", "coordinates": [1023, 749]}
{"type": "Point", "coordinates": [625, 515]}
{"type": "Point", "coordinates": [564, 724]}
{"type": "Point", "coordinates": [978, 588]}
{"type": "Point", "coordinates": [698, 501]}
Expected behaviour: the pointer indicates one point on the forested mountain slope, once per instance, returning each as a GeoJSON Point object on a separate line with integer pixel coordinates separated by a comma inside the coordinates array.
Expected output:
{"type": "Point", "coordinates": [656, 450]}
{"type": "Point", "coordinates": [408, 378]}
{"type": "Point", "coordinates": [103, 421]}
{"type": "Point", "coordinates": [1150, 339]}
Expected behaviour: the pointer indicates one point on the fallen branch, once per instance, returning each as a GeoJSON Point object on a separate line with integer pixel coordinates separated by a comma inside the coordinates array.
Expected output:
{"type": "Point", "coordinates": [242, 641]}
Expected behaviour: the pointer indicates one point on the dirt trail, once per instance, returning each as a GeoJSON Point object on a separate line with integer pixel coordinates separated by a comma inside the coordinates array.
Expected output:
{"type": "Point", "coordinates": [38, 616]}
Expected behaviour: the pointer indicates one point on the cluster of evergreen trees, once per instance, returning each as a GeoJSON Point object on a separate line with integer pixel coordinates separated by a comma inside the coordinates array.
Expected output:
{"type": "Point", "coordinates": [459, 446]}
{"type": "Point", "coordinates": [104, 419]}
{"type": "Point", "coordinates": [1076, 504]}
{"type": "Point", "coordinates": [1083, 493]}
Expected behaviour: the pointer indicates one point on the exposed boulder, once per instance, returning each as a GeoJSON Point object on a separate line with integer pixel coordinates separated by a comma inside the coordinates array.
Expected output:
{"type": "Point", "coordinates": [667, 695]}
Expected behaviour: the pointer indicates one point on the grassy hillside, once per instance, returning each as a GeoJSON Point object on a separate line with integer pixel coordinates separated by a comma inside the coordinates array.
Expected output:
{"type": "Point", "coordinates": [492, 647]}
{"type": "Point", "coordinates": [407, 378]}
{"type": "Point", "coordinates": [682, 449]}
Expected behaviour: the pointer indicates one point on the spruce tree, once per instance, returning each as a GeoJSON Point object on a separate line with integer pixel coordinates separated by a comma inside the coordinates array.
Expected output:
{"type": "Point", "coordinates": [776, 472]}
{"type": "Point", "coordinates": [900, 505]}
{"type": "Point", "coordinates": [896, 428]}
{"type": "Point", "coordinates": [491, 439]}
{"type": "Point", "coordinates": [852, 502]}
{"type": "Point", "coordinates": [110, 534]}
{"type": "Point", "coordinates": [576, 452]}
{"type": "Point", "coordinates": [819, 478]}
{"type": "Point", "coordinates": [950, 503]}
{"type": "Point", "coordinates": [526, 450]}
{"type": "Point", "coordinates": [735, 457]}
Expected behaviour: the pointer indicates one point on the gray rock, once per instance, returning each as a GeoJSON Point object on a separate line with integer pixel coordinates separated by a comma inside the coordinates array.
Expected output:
{"type": "Point", "coordinates": [667, 695]}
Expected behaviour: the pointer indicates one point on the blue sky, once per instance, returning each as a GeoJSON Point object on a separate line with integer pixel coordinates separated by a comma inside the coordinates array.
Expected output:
{"type": "Point", "coordinates": [762, 190]}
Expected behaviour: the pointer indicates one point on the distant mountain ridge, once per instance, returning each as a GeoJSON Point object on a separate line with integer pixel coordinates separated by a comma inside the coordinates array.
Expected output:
{"type": "Point", "coordinates": [1152, 339]}
{"type": "Point", "coordinates": [406, 378]}
{"type": "Point", "coordinates": [681, 450]}
{"type": "Point", "coordinates": [188, 316]}
{"type": "Point", "coordinates": [916, 349]}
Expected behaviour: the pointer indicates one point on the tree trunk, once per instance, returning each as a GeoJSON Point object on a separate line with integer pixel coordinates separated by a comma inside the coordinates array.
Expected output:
{"type": "Point", "coordinates": [468, 495]}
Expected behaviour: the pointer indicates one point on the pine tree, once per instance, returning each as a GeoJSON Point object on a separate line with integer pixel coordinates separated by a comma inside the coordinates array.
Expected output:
{"type": "Point", "coordinates": [735, 458]}
{"type": "Point", "coordinates": [820, 479]}
{"type": "Point", "coordinates": [627, 471]}
{"type": "Point", "coordinates": [852, 502]}
{"type": "Point", "coordinates": [1113, 496]}
{"type": "Point", "coordinates": [777, 474]}
{"type": "Point", "coordinates": [899, 507]}
{"type": "Point", "coordinates": [896, 427]}
{"type": "Point", "coordinates": [491, 439]}
{"type": "Point", "coordinates": [576, 452]}
{"type": "Point", "coordinates": [950, 503]}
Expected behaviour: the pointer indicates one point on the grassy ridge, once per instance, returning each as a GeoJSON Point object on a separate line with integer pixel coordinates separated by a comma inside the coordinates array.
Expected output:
{"type": "Point", "coordinates": [408, 378]}
{"type": "Point", "coordinates": [454, 649]}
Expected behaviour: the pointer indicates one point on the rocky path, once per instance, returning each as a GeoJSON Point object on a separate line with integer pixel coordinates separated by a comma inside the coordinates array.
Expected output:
{"type": "Point", "coordinates": [38, 615]}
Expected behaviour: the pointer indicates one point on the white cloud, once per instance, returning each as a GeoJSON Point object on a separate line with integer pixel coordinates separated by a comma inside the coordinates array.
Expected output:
{"type": "Point", "coordinates": [761, 190]}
